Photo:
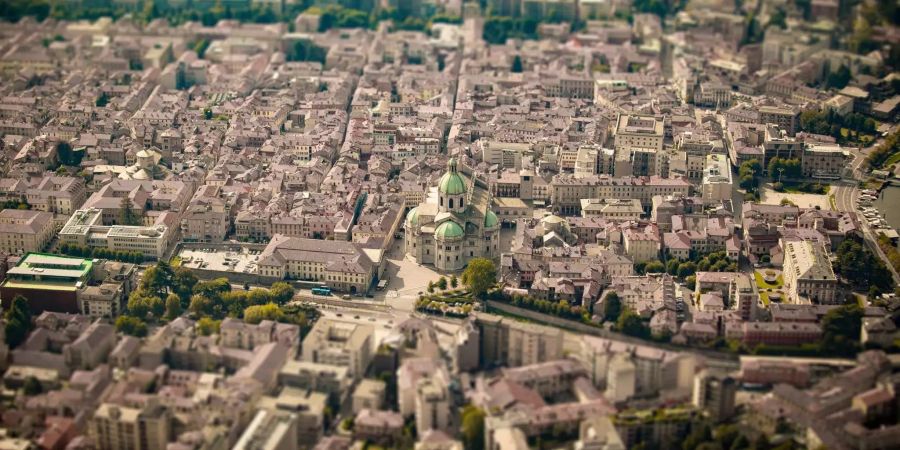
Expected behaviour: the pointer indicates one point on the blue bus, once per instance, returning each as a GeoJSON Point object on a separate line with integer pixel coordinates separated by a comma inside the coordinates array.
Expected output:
{"type": "Point", "coordinates": [321, 291]}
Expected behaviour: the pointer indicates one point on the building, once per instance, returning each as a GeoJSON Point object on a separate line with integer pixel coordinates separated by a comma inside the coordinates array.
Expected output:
{"type": "Point", "coordinates": [512, 343]}
{"type": "Point", "coordinates": [615, 210]}
{"type": "Point", "coordinates": [341, 265]}
{"type": "Point", "coordinates": [825, 161]}
{"type": "Point", "coordinates": [85, 228]}
{"type": "Point", "coordinates": [784, 117]}
{"type": "Point", "coordinates": [369, 394]}
{"type": "Point", "coordinates": [639, 132]}
{"type": "Point", "coordinates": [433, 405]}
{"type": "Point", "coordinates": [567, 191]}
{"type": "Point", "coordinates": [457, 226]}
{"type": "Point", "coordinates": [49, 282]}
{"type": "Point", "coordinates": [715, 395]}
{"type": "Point", "coordinates": [23, 231]}
{"type": "Point", "coordinates": [717, 183]}
{"type": "Point", "coordinates": [115, 427]}
{"type": "Point", "coordinates": [340, 343]}
{"type": "Point", "coordinates": [808, 275]}
{"type": "Point", "coordinates": [269, 431]}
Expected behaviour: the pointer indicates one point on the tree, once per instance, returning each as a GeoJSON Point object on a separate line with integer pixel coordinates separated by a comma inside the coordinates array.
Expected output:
{"type": "Point", "coordinates": [127, 214]}
{"type": "Point", "coordinates": [131, 326]}
{"type": "Point", "coordinates": [632, 324]}
{"type": "Point", "coordinates": [841, 328]}
{"type": "Point", "coordinates": [672, 267]}
{"type": "Point", "coordinates": [454, 282]}
{"type": "Point", "coordinates": [839, 78]}
{"type": "Point", "coordinates": [479, 276]}
{"type": "Point", "coordinates": [212, 289]}
{"type": "Point", "coordinates": [257, 313]}
{"type": "Point", "coordinates": [173, 306]}
{"type": "Point", "coordinates": [655, 267]}
{"type": "Point", "coordinates": [18, 321]}
{"type": "Point", "coordinates": [281, 292]}
{"type": "Point", "coordinates": [102, 100]}
{"type": "Point", "coordinates": [473, 427]}
{"type": "Point", "coordinates": [207, 326]}
{"type": "Point", "coordinates": [691, 282]}
{"type": "Point", "coordinates": [778, 19]}
{"type": "Point", "coordinates": [686, 269]}
{"type": "Point", "coordinates": [32, 386]}
{"type": "Point", "coordinates": [612, 307]}
{"type": "Point", "coordinates": [517, 65]}
{"type": "Point", "coordinates": [183, 282]}
{"type": "Point", "coordinates": [442, 283]}
{"type": "Point", "coordinates": [258, 296]}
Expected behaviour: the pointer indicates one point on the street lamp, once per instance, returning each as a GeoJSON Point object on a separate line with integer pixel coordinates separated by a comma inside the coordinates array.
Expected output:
{"type": "Point", "coordinates": [780, 173]}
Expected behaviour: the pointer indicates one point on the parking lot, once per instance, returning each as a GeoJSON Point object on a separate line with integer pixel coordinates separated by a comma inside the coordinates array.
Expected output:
{"type": "Point", "coordinates": [242, 261]}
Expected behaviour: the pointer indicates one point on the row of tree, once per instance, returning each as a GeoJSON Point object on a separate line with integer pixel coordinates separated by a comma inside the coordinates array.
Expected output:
{"type": "Point", "coordinates": [884, 151]}
{"type": "Point", "coordinates": [83, 251]}
{"type": "Point", "coordinates": [858, 265]}
{"type": "Point", "coordinates": [829, 123]}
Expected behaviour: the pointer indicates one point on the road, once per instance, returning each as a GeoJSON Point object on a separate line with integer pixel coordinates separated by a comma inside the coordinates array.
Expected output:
{"type": "Point", "coordinates": [846, 194]}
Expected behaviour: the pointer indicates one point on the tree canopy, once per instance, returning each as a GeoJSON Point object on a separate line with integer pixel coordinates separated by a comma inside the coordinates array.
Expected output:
{"type": "Point", "coordinates": [479, 276]}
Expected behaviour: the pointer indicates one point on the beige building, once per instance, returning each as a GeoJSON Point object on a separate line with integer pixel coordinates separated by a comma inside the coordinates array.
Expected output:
{"type": "Point", "coordinates": [717, 183]}
{"type": "Point", "coordinates": [824, 161]}
{"type": "Point", "coordinates": [566, 191]}
{"type": "Point", "coordinates": [808, 275]}
{"type": "Point", "coordinates": [339, 264]}
{"type": "Point", "coordinates": [23, 231]}
{"type": "Point", "coordinates": [513, 343]}
{"type": "Point", "coordinates": [340, 343]}
{"type": "Point", "coordinates": [115, 427]}
{"type": "Point", "coordinates": [50, 193]}
{"type": "Point", "coordinates": [617, 210]}
{"type": "Point", "coordinates": [269, 431]}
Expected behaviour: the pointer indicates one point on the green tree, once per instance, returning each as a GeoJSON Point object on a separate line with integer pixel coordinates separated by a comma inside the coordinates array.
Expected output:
{"type": "Point", "coordinates": [18, 321]}
{"type": "Point", "coordinates": [173, 306]}
{"type": "Point", "coordinates": [454, 282]}
{"type": "Point", "coordinates": [207, 326]}
{"type": "Point", "coordinates": [102, 100]}
{"type": "Point", "coordinates": [131, 326]}
{"type": "Point", "coordinates": [281, 292]}
{"type": "Point", "coordinates": [841, 328]}
{"type": "Point", "coordinates": [258, 296]}
{"type": "Point", "coordinates": [612, 307]}
{"type": "Point", "coordinates": [213, 289]}
{"type": "Point", "coordinates": [183, 282]}
{"type": "Point", "coordinates": [480, 275]}
{"type": "Point", "coordinates": [257, 313]}
{"type": "Point", "coordinates": [202, 305]}
{"type": "Point", "coordinates": [442, 283]}
{"type": "Point", "coordinates": [632, 324]}
{"type": "Point", "coordinates": [655, 267]}
{"type": "Point", "coordinates": [517, 64]}
{"type": "Point", "coordinates": [32, 386]}
{"type": "Point", "coordinates": [686, 269]}
{"type": "Point", "coordinates": [127, 214]}
{"type": "Point", "coordinates": [472, 420]}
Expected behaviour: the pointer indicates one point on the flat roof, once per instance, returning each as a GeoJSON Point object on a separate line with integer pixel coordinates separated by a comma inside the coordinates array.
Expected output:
{"type": "Point", "coordinates": [39, 271]}
{"type": "Point", "coordinates": [55, 260]}
{"type": "Point", "coordinates": [45, 285]}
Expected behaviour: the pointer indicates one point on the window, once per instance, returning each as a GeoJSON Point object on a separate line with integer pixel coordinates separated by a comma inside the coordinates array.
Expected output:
{"type": "Point", "coordinates": [451, 203]}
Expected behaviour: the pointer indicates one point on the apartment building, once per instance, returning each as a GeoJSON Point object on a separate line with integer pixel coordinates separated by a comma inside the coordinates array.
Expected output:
{"type": "Point", "coordinates": [784, 117]}
{"type": "Point", "coordinates": [50, 193]}
{"type": "Point", "coordinates": [513, 343]}
{"type": "Point", "coordinates": [23, 231]}
{"type": "Point", "coordinates": [826, 161]}
{"type": "Point", "coordinates": [269, 430]}
{"type": "Point", "coordinates": [340, 343]}
{"type": "Point", "coordinates": [617, 210]}
{"type": "Point", "coordinates": [115, 427]}
{"type": "Point", "coordinates": [717, 182]}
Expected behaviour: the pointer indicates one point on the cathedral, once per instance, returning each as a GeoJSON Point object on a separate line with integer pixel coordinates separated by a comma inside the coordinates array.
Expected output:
{"type": "Point", "coordinates": [455, 227]}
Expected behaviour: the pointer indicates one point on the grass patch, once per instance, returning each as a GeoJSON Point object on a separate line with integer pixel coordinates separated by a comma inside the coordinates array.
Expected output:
{"type": "Point", "coordinates": [175, 261]}
{"type": "Point", "coordinates": [764, 296]}
{"type": "Point", "coordinates": [763, 284]}
{"type": "Point", "coordinates": [806, 188]}
{"type": "Point", "coordinates": [894, 159]}
{"type": "Point", "coordinates": [832, 202]}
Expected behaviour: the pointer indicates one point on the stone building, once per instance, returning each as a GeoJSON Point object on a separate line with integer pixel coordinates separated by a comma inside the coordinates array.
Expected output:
{"type": "Point", "coordinates": [455, 227]}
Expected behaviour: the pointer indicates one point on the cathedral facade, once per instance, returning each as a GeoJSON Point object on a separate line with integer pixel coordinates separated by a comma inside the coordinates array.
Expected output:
{"type": "Point", "coordinates": [456, 226]}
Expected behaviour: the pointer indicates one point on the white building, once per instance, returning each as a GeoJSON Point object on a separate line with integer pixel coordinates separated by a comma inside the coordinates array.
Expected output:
{"type": "Point", "coordinates": [340, 343]}
{"type": "Point", "coordinates": [86, 228]}
{"type": "Point", "coordinates": [717, 182]}
{"type": "Point", "coordinates": [808, 275]}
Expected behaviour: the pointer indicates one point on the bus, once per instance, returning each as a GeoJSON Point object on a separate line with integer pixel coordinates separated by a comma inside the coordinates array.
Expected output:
{"type": "Point", "coordinates": [321, 291]}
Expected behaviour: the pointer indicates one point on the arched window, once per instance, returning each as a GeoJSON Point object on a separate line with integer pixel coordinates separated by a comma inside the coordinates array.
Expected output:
{"type": "Point", "coordinates": [462, 203]}
{"type": "Point", "coordinates": [451, 203]}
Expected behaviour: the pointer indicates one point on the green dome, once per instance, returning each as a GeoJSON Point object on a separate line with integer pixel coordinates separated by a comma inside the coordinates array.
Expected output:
{"type": "Point", "coordinates": [490, 219]}
{"type": "Point", "coordinates": [452, 183]}
{"type": "Point", "coordinates": [412, 217]}
{"type": "Point", "coordinates": [449, 230]}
